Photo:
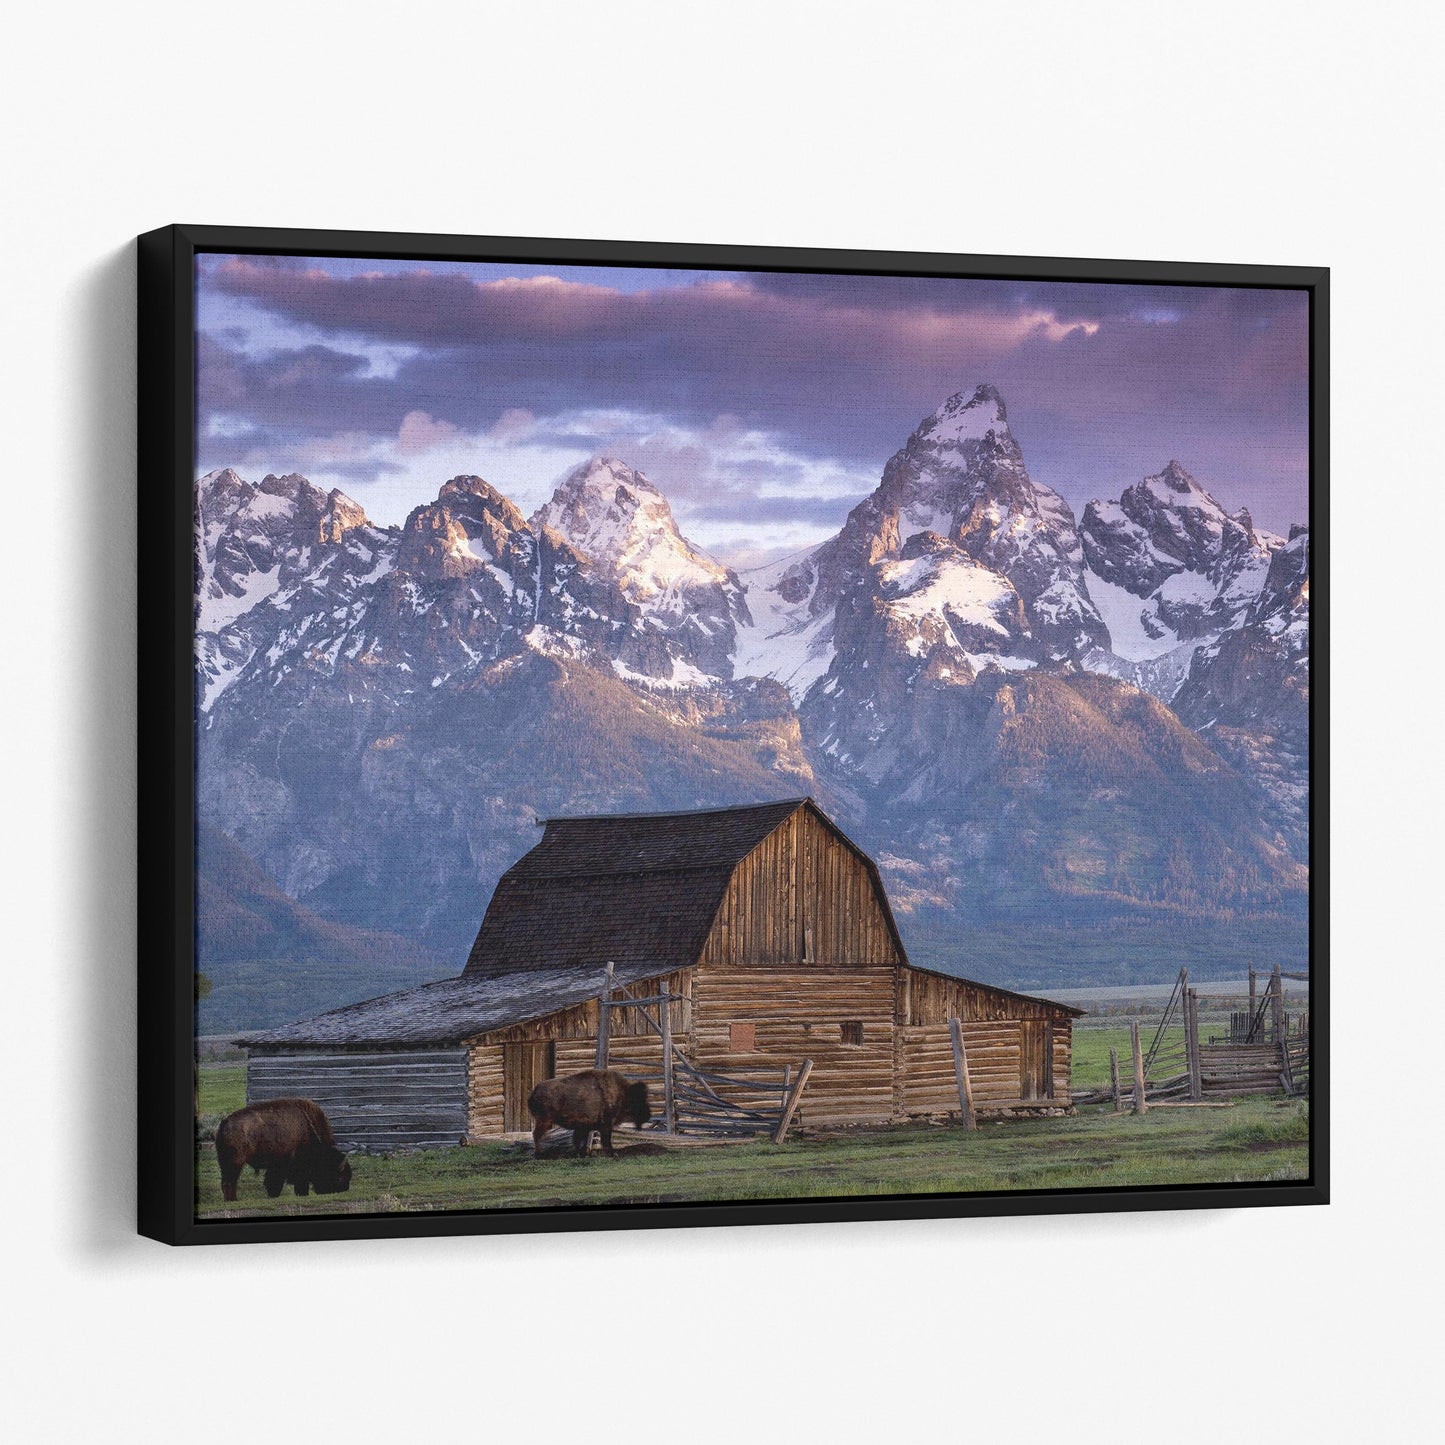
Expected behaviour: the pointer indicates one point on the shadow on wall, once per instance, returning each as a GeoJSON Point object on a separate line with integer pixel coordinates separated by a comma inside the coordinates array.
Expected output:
{"type": "Point", "coordinates": [100, 701]}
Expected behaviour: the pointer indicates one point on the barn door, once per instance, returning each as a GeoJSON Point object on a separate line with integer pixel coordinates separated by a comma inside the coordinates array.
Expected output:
{"type": "Point", "coordinates": [524, 1066]}
{"type": "Point", "coordinates": [1034, 1080]}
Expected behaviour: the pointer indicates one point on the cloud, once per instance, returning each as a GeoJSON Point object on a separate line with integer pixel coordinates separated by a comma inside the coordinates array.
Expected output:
{"type": "Point", "coordinates": [1103, 383]}
{"type": "Point", "coordinates": [420, 432]}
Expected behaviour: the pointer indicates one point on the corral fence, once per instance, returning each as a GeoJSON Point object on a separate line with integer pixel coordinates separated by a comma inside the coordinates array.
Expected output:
{"type": "Point", "coordinates": [744, 1101]}
{"type": "Point", "coordinates": [1264, 1049]}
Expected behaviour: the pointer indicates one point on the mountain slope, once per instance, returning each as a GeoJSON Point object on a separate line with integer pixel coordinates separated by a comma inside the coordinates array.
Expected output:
{"type": "Point", "coordinates": [269, 959]}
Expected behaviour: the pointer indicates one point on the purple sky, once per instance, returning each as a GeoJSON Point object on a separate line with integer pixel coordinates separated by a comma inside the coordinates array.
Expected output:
{"type": "Point", "coordinates": [763, 405]}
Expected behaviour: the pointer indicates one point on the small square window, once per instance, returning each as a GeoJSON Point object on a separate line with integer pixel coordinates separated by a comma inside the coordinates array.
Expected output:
{"type": "Point", "coordinates": [743, 1038]}
{"type": "Point", "coordinates": [852, 1031]}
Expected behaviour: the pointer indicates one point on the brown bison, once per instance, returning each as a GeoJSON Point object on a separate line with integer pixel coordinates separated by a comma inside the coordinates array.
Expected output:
{"type": "Point", "coordinates": [290, 1139]}
{"type": "Point", "coordinates": [596, 1099]}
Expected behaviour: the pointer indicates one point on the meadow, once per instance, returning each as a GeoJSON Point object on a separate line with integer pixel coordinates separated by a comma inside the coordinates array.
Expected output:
{"type": "Point", "coordinates": [1253, 1141]}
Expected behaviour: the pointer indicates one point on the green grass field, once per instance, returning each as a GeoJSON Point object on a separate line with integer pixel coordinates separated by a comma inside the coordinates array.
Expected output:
{"type": "Point", "coordinates": [1256, 1140]}
{"type": "Point", "coordinates": [1090, 1055]}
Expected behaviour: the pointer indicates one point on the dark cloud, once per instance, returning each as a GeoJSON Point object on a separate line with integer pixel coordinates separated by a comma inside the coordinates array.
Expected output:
{"type": "Point", "coordinates": [1102, 382]}
{"type": "Point", "coordinates": [315, 388]}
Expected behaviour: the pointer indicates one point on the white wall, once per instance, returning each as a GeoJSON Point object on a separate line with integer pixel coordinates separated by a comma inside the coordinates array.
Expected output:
{"type": "Point", "coordinates": [1230, 132]}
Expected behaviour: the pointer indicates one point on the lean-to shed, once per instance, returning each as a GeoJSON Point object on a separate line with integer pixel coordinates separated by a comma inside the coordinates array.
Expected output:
{"type": "Point", "coordinates": [769, 928]}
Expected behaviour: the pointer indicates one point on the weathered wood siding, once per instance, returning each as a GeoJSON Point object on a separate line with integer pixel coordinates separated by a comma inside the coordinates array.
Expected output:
{"type": "Point", "coordinates": [798, 1014]}
{"type": "Point", "coordinates": [484, 1092]}
{"type": "Point", "coordinates": [1004, 1071]}
{"type": "Point", "coordinates": [632, 1045]}
{"type": "Point", "coordinates": [375, 1101]}
{"type": "Point", "coordinates": [801, 897]}
{"type": "Point", "coordinates": [929, 998]}
{"type": "Point", "coordinates": [1063, 1059]}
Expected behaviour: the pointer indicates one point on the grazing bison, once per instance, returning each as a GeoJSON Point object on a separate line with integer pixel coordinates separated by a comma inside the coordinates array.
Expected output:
{"type": "Point", "coordinates": [597, 1099]}
{"type": "Point", "coordinates": [290, 1139]}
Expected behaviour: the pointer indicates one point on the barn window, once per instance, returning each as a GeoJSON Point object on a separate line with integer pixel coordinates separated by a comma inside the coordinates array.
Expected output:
{"type": "Point", "coordinates": [742, 1038]}
{"type": "Point", "coordinates": [852, 1031]}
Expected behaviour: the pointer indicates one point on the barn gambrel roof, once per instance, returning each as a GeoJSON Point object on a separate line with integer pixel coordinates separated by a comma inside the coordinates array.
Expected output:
{"type": "Point", "coordinates": [628, 888]}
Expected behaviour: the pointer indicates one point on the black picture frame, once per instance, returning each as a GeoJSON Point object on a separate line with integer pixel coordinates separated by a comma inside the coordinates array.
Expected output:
{"type": "Point", "coordinates": [166, 356]}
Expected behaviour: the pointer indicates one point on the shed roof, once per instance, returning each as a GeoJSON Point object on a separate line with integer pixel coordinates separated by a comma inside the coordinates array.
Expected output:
{"type": "Point", "coordinates": [450, 1011]}
{"type": "Point", "coordinates": [633, 888]}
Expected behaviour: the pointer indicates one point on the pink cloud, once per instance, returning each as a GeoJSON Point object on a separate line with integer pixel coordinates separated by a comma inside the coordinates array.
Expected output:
{"type": "Point", "coordinates": [421, 432]}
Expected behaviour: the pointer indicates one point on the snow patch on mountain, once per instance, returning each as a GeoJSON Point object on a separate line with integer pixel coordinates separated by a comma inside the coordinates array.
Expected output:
{"type": "Point", "coordinates": [950, 587]}
{"type": "Point", "coordinates": [785, 638]}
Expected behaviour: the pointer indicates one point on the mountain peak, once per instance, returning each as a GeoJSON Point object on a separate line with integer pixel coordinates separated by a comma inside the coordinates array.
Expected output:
{"type": "Point", "coordinates": [472, 486]}
{"type": "Point", "coordinates": [610, 512]}
{"type": "Point", "coordinates": [293, 485]}
{"type": "Point", "coordinates": [967, 416]}
{"type": "Point", "coordinates": [604, 472]}
{"type": "Point", "coordinates": [1173, 479]}
{"type": "Point", "coordinates": [222, 477]}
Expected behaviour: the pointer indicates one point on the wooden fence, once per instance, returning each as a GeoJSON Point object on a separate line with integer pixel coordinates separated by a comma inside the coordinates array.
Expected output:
{"type": "Point", "coordinates": [1265, 1051]}
{"type": "Point", "coordinates": [744, 1101]}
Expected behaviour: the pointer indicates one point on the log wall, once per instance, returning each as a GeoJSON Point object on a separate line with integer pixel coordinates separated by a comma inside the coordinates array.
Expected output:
{"type": "Point", "coordinates": [632, 1045]}
{"type": "Point", "coordinates": [484, 1092]}
{"type": "Point", "coordinates": [897, 1071]}
{"type": "Point", "coordinates": [580, 1021]}
{"type": "Point", "coordinates": [798, 1014]}
{"type": "Point", "coordinates": [803, 896]}
{"type": "Point", "coordinates": [402, 1099]}
{"type": "Point", "coordinates": [1001, 1075]}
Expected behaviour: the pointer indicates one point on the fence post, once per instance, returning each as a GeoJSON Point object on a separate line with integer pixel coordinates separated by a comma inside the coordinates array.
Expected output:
{"type": "Point", "coordinates": [664, 1012]}
{"type": "Point", "coordinates": [1276, 982]}
{"type": "Point", "coordinates": [604, 1018]}
{"type": "Point", "coordinates": [1140, 1104]}
{"type": "Point", "coordinates": [1114, 1081]}
{"type": "Point", "coordinates": [791, 1107]}
{"type": "Point", "coordinates": [960, 1073]}
{"type": "Point", "coordinates": [1196, 1073]}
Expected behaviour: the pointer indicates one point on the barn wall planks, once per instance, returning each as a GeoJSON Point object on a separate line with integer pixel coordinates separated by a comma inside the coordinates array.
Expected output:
{"type": "Point", "coordinates": [375, 1101]}
{"type": "Point", "coordinates": [801, 1013]}
{"type": "Point", "coordinates": [802, 896]}
{"type": "Point", "coordinates": [934, 1000]}
{"type": "Point", "coordinates": [632, 1046]}
{"type": "Point", "coordinates": [998, 1068]}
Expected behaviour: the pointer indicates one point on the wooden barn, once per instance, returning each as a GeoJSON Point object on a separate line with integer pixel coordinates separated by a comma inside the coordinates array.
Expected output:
{"type": "Point", "coordinates": [768, 939]}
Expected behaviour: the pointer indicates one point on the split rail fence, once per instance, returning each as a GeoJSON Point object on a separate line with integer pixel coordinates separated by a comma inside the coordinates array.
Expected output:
{"type": "Point", "coordinates": [1265, 1051]}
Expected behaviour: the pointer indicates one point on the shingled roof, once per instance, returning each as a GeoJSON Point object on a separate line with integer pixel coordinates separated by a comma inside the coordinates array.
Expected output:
{"type": "Point", "coordinates": [627, 888]}
{"type": "Point", "coordinates": [448, 1012]}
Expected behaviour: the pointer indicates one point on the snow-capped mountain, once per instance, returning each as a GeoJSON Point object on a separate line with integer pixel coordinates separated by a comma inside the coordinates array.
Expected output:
{"type": "Point", "coordinates": [384, 709]}
{"type": "Point", "coordinates": [1169, 570]}
{"type": "Point", "coordinates": [1257, 674]}
{"type": "Point", "coordinates": [958, 561]}
{"type": "Point", "coordinates": [270, 556]}
{"type": "Point", "coordinates": [617, 519]}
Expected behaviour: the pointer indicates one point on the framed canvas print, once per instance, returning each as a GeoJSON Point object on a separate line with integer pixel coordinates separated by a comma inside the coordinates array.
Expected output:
{"type": "Point", "coordinates": [646, 735]}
